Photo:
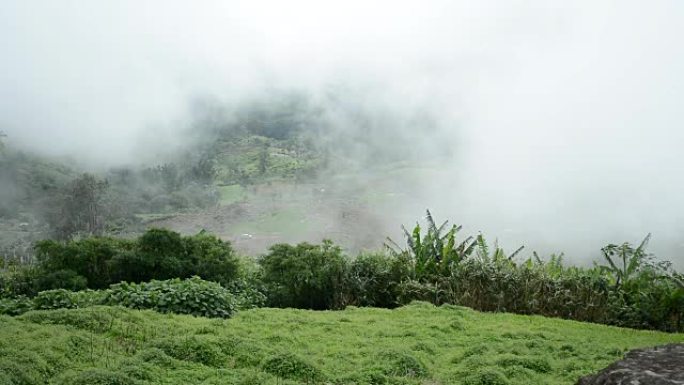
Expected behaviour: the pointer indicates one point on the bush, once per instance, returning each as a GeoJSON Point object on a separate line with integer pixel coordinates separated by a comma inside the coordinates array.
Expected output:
{"type": "Point", "coordinates": [54, 299]}
{"type": "Point", "coordinates": [15, 306]}
{"type": "Point", "coordinates": [98, 262]}
{"type": "Point", "coordinates": [371, 281]}
{"type": "Point", "coordinates": [88, 258]}
{"type": "Point", "coordinates": [62, 279]}
{"type": "Point", "coordinates": [211, 258]}
{"type": "Point", "coordinates": [190, 296]}
{"type": "Point", "coordinates": [19, 280]}
{"type": "Point", "coordinates": [161, 255]}
{"type": "Point", "coordinates": [304, 276]}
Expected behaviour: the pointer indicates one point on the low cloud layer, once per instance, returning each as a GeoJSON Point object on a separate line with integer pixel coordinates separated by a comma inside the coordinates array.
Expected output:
{"type": "Point", "coordinates": [562, 118]}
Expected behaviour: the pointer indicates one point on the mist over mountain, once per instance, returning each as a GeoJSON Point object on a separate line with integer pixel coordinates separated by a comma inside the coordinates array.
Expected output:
{"type": "Point", "coordinates": [552, 125]}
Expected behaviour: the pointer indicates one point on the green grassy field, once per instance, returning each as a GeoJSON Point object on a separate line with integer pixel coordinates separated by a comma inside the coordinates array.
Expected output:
{"type": "Point", "coordinates": [416, 344]}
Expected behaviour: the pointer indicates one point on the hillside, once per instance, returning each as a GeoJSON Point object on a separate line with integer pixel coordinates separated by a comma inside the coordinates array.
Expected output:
{"type": "Point", "coordinates": [415, 344]}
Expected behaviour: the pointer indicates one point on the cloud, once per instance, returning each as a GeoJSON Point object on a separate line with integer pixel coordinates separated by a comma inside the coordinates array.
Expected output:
{"type": "Point", "coordinates": [563, 117]}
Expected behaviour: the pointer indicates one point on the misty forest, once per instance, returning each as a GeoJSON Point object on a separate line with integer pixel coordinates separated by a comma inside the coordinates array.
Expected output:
{"type": "Point", "coordinates": [426, 193]}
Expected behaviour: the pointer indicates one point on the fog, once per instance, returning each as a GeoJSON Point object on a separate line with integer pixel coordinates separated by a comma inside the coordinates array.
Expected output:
{"type": "Point", "coordinates": [552, 124]}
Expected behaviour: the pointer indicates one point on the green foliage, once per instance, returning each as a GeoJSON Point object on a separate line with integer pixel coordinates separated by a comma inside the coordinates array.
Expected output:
{"type": "Point", "coordinates": [190, 296]}
{"type": "Point", "coordinates": [305, 276]}
{"type": "Point", "coordinates": [63, 278]}
{"type": "Point", "coordinates": [632, 290]}
{"type": "Point", "coordinates": [23, 368]}
{"type": "Point", "coordinates": [402, 364]}
{"type": "Point", "coordinates": [371, 280]}
{"type": "Point", "coordinates": [537, 364]}
{"type": "Point", "coordinates": [486, 376]}
{"type": "Point", "coordinates": [626, 262]}
{"type": "Point", "coordinates": [98, 262]}
{"type": "Point", "coordinates": [288, 365]}
{"type": "Point", "coordinates": [15, 306]}
{"type": "Point", "coordinates": [288, 346]}
{"type": "Point", "coordinates": [89, 258]}
{"type": "Point", "coordinates": [95, 377]}
{"type": "Point", "coordinates": [160, 254]}
{"type": "Point", "coordinates": [434, 253]}
{"type": "Point", "coordinates": [54, 299]}
{"type": "Point", "coordinates": [19, 280]}
{"type": "Point", "coordinates": [192, 349]}
{"type": "Point", "coordinates": [211, 258]}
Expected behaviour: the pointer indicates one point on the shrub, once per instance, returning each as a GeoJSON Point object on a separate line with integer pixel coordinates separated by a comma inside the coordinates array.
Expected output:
{"type": "Point", "coordinates": [190, 296]}
{"type": "Point", "coordinates": [62, 279]}
{"type": "Point", "coordinates": [211, 258]}
{"type": "Point", "coordinates": [248, 294]}
{"type": "Point", "coordinates": [15, 306]}
{"type": "Point", "coordinates": [54, 299]}
{"type": "Point", "coordinates": [97, 262]}
{"type": "Point", "coordinates": [371, 280]}
{"type": "Point", "coordinates": [19, 280]}
{"type": "Point", "coordinates": [161, 255]}
{"type": "Point", "coordinates": [304, 276]}
{"type": "Point", "coordinates": [88, 258]}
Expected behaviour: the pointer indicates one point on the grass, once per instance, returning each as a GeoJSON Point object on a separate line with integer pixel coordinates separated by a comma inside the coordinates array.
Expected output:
{"type": "Point", "coordinates": [289, 221]}
{"type": "Point", "coordinates": [416, 344]}
{"type": "Point", "coordinates": [232, 194]}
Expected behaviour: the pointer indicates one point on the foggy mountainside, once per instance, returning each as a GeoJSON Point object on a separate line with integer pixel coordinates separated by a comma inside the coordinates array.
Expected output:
{"type": "Point", "coordinates": [309, 192]}
{"type": "Point", "coordinates": [553, 126]}
{"type": "Point", "coordinates": [269, 171]}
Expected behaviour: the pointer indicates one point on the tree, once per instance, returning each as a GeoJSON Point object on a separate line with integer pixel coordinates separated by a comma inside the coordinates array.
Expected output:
{"type": "Point", "coordinates": [204, 171]}
{"type": "Point", "coordinates": [80, 209]}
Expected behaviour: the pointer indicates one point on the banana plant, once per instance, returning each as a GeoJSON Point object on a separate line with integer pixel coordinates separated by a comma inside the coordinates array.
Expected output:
{"type": "Point", "coordinates": [436, 251]}
{"type": "Point", "coordinates": [624, 261]}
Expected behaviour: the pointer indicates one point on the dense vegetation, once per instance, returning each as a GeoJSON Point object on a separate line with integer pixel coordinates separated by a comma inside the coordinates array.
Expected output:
{"type": "Point", "coordinates": [631, 289]}
{"type": "Point", "coordinates": [411, 345]}
{"type": "Point", "coordinates": [98, 262]}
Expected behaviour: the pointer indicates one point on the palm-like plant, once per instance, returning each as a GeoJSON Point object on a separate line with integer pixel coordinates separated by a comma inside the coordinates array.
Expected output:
{"type": "Point", "coordinates": [436, 251]}
{"type": "Point", "coordinates": [626, 262]}
{"type": "Point", "coordinates": [496, 255]}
